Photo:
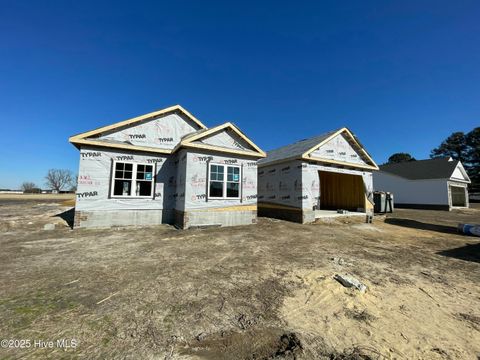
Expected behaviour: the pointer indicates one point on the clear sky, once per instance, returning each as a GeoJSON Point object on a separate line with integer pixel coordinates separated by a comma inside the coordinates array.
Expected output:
{"type": "Point", "coordinates": [402, 75]}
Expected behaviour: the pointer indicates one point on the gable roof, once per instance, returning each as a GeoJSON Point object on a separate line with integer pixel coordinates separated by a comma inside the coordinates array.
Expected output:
{"type": "Point", "coordinates": [91, 137]}
{"type": "Point", "coordinates": [294, 150]}
{"type": "Point", "coordinates": [302, 149]}
{"type": "Point", "coordinates": [439, 168]}
{"type": "Point", "coordinates": [190, 140]}
{"type": "Point", "coordinates": [81, 139]}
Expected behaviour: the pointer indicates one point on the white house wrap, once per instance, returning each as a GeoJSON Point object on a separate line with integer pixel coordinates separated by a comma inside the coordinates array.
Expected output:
{"type": "Point", "coordinates": [327, 172]}
{"type": "Point", "coordinates": [166, 167]}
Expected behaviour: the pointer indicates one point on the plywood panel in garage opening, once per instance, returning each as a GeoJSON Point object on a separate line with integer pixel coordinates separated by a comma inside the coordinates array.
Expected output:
{"type": "Point", "coordinates": [341, 191]}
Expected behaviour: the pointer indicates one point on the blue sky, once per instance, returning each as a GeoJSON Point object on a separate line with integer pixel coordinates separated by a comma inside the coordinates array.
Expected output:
{"type": "Point", "coordinates": [402, 75]}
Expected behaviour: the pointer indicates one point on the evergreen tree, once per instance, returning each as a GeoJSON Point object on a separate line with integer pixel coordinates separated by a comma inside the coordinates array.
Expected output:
{"type": "Point", "coordinates": [466, 148]}
{"type": "Point", "coordinates": [400, 157]}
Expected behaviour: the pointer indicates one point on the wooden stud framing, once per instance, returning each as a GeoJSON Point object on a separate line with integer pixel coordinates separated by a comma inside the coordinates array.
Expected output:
{"type": "Point", "coordinates": [122, 146]}
{"type": "Point", "coordinates": [224, 150]}
{"type": "Point", "coordinates": [343, 163]}
{"type": "Point", "coordinates": [268, 205]}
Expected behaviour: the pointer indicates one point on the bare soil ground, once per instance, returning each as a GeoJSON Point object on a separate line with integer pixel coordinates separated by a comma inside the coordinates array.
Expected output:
{"type": "Point", "coordinates": [264, 291]}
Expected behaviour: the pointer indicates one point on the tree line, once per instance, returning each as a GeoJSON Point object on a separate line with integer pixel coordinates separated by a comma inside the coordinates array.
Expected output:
{"type": "Point", "coordinates": [460, 146]}
{"type": "Point", "coordinates": [56, 179]}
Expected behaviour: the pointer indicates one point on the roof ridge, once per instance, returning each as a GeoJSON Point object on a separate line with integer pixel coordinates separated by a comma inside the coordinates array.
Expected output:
{"type": "Point", "coordinates": [302, 148]}
{"type": "Point", "coordinates": [306, 139]}
{"type": "Point", "coordinates": [419, 161]}
{"type": "Point", "coordinates": [436, 168]}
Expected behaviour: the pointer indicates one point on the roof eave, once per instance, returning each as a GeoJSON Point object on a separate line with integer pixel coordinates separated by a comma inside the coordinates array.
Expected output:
{"type": "Point", "coordinates": [78, 143]}
{"type": "Point", "coordinates": [220, 149]}
{"type": "Point", "coordinates": [341, 163]}
{"type": "Point", "coordinates": [460, 180]}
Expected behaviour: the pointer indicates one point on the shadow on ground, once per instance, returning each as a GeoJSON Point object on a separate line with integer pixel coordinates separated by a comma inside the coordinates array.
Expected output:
{"type": "Point", "coordinates": [469, 252]}
{"type": "Point", "coordinates": [67, 216]}
{"type": "Point", "coordinates": [414, 224]}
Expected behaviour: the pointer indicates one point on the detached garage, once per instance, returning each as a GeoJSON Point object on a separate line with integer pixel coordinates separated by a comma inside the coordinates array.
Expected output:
{"type": "Point", "coordinates": [323, 176]}
{"type": "Point", "coordinates": [425, 184]}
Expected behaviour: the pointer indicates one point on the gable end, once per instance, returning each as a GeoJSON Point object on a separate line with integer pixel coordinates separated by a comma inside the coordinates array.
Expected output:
{"type": "Point", "coordinates": [159, 131]}
{"type": "Point", "coordinates": [341, 148]}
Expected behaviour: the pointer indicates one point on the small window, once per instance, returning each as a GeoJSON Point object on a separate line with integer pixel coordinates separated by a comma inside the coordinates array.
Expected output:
{"type": "Point", "coordinates": [134, 180]}
{"type": "Point", "coordinates": [221, 186]}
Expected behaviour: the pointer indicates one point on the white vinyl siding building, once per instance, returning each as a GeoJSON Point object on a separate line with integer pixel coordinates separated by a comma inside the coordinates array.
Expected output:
{"type": "Point", "coordinates": [431, 184]}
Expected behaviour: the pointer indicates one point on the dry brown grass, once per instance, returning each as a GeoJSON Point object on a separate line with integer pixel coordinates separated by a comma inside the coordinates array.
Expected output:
{"type": "Point", "coordinates": [37, 197]}
{"type": "Point", "coordinates": [69, 202]}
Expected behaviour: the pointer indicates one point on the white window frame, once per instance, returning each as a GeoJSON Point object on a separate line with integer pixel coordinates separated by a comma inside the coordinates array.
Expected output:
{"type": "Point", "coordinates": [134, 181]}
{"type": "Point", "coordinates": [225, 181]}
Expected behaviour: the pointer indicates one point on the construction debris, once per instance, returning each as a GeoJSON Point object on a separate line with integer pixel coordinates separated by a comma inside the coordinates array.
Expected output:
{"type": "Point", "coordinates": [469, 229]}
{"type": "Point", "coordinates": [108, 297]}
{"type": "Point", "coordinates": [350, 281]}
{"type": "Point", "coordinates": [49, 227]}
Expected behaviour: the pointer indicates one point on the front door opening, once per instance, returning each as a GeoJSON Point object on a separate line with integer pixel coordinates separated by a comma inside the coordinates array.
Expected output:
{"type": "Point", "coordinates": [457, 194]}
{"type": "Point", "coordinates": [341, 191]}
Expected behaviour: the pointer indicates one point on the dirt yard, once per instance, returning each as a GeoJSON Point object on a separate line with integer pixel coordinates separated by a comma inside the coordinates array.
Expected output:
{"type": "Point", "coordinates": [264, 291]}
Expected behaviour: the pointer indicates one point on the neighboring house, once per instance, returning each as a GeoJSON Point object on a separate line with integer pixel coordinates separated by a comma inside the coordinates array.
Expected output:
{"type": "Point", "coordinates": [430, 184]}
{"type": "Point", "coordinates": [316, 177]}
{"type": "Point", "coordinates": [166, 167]}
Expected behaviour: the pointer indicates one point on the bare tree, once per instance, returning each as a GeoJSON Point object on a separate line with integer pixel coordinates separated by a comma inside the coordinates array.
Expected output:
{"type": "Point", "coordinates": [74, 183]}
{"type": "Point", "coordinates": [58, 179]}
{"type": "Point", "coordinates": [29, 187]}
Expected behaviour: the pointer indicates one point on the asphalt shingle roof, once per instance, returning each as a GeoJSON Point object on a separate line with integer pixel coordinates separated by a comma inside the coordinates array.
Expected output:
{"type": "Point", "coordinates": [439, 168]}
{"type": "Point", "coordinates": [294, 150]}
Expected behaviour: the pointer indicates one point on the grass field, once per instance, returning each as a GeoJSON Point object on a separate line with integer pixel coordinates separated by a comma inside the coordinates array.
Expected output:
{"type": "Point", "coordinates": [37, 197]}
{"type": "Point", "coordinates": [264, 291]}
{"type": "Point", "coordinates": [62, 199]}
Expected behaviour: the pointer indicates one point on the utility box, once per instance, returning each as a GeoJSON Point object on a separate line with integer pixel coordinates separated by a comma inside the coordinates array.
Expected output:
{"type": "Point", "coordinates": [383, 202]}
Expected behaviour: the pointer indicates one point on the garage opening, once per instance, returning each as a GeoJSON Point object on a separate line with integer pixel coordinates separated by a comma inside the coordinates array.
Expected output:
{"type": "Point", "coordinates": [341, 191]}
{"type": "Point", "coordinates": [458, 196]}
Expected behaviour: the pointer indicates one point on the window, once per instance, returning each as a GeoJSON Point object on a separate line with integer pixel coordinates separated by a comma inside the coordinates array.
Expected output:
{"type": "Point", "coordinates": [133, 180]}
{"type": "Point", "coordinates": [233, 182]}
{"type": "Point", "coordinates": [224, 182]}
{"type": "Point", "coordinates": [216, 180]}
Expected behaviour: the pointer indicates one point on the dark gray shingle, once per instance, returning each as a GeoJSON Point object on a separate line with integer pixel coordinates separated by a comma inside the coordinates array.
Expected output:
{"type": "Point", "coordinates": [439, 168]}
{"type": "Point", "coordinates": [294, 150]}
